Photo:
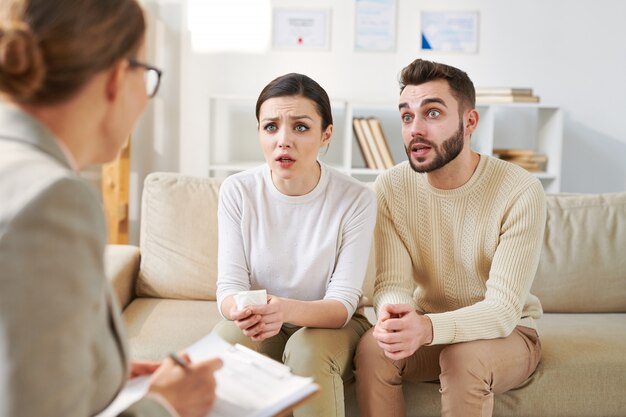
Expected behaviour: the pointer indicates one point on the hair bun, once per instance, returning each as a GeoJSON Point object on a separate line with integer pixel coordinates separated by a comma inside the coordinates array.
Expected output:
{"type": "Point", "coordinates": [22, 68]}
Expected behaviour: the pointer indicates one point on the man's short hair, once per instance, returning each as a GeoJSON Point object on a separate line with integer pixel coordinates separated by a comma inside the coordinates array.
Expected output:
{"type": "Point", "coordinates": [421, 71]}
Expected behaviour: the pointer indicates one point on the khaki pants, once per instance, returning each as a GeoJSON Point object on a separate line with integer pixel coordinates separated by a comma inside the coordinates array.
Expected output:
{"type": "Point", "coordinates": [470, 373]}
{"type": "Point", "coordinates": [324, 354]}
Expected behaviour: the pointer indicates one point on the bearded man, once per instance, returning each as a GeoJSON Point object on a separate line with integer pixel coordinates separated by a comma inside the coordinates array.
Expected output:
{"type": "Point", "coordinates": [458, 238]}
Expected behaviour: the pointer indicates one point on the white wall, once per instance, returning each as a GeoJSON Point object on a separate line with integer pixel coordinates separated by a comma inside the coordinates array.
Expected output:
{"type": "Point", "coordinates": [570, 53]}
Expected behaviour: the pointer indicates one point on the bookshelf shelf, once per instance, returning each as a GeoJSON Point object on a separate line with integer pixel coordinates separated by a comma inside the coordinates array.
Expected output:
{"type": "Point", "coordinates": [365, 171]}
{"type": "Point", "coordinates": [234, 146]}
{"type": "Point", "coordinates": [544, 176]}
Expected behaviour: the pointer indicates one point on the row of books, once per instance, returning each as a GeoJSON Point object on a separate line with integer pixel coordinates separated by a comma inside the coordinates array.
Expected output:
{"type": "Point", "coordinates": [505, 95]}
{"type": "Point", "coordinates": [372, 142]}
{"type": "Point", "coordinates": [526, 158]}
{"type": "Point", "coordinates": [377, 155]}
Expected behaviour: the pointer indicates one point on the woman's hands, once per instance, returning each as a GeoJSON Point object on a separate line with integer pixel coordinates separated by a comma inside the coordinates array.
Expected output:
{"type": "Point", "coordinates": [261, 322]}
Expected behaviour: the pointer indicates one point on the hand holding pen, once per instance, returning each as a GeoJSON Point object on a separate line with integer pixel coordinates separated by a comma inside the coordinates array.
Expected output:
{"type": "Point", "coordinates": [188, 387]}
{"type": "Point", "coordinates": [184, 363]}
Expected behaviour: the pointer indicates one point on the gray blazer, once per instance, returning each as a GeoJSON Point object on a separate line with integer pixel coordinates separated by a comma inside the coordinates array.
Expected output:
{"type": "Point", "coordinates": [62, 349]}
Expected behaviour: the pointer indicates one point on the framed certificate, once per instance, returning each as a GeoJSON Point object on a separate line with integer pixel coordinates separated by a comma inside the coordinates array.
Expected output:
{"type": "Point", "coordinates": [300, 29]}
{"type": "Point", "coordinates": [450, 31]}
{"type": "Point", "coordinates": [375, 25]}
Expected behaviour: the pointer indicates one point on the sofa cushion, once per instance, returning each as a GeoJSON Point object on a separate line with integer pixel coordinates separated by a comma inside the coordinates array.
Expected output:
{"type": "Point", "coordinates": [370, 273]}
{"type": "Point", "coordinates": [370, 278]}
{"type": "Point", "coordinates": [583, 261]}
{"type": "Point", "coordinates": [178, 237]}
{"type": "Point", "coordinates": [121, 264]}
{"type": "Point", "coordinates": [582, 370]}
{"type": "Point", "coordinates": [583, 351]}
{"type": "Point", "coordinates": [582, 373]}
{"type": "Point", "coordinates": [157, 326]}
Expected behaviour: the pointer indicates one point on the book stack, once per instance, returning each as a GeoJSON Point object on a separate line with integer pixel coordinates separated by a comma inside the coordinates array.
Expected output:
{"type": "Point", "coordinates": [526, 158]}
{"type": "Point", "coordinates": [505, 95]}
{"type": "Point", "coordinates": [372, 142]}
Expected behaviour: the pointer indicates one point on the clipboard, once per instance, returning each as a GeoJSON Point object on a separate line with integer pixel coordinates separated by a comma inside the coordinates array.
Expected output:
{"type": "Point", "coordinates": [288, 411]}
{"type": "Point", "coordinates": [248, 385]}
{"type": "Point", "coordinates": [251, 384]}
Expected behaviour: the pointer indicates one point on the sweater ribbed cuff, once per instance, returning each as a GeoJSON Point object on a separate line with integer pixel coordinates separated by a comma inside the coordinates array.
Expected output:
{"type": "Point", "coordinates": [444, 329]}
{"type": "Point", "coordinates": [393, 298]}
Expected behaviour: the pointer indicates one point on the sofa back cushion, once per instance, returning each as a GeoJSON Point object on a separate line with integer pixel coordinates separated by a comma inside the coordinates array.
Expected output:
{"type": "Point", "coordinates": [178, 237]}
{"type": "Point", "coordinates": [582, 266]}
{"type": "Point", "coordinates": [583, 260]}
{"type": "Point", "coordinates": [370, 278]}
{"type": "Point", "coordinates": [370, 274]}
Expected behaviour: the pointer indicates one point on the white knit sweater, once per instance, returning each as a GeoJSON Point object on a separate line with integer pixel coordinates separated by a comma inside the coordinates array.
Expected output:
{"type": "Point", "coordinates": [309, 247]}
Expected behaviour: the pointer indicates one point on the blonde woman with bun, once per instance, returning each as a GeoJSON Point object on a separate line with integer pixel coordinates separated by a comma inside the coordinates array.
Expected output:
{"type": "Point", "coordinates": [73, 81]}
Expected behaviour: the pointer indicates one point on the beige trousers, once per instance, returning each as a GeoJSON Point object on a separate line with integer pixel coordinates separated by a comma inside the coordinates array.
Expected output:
{"type": "Point", "coordinates": [324, 354]}
{"type": "Point", "coordinates": [470, 373]}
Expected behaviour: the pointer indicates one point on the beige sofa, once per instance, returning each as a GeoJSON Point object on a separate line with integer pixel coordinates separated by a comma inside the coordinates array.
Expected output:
{"type": "Point", "coordinates": [167, 290]}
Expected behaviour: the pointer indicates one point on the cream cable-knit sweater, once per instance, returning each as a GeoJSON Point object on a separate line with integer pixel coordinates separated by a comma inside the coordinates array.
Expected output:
{"type": "Point", "coordinates": [465, 257]}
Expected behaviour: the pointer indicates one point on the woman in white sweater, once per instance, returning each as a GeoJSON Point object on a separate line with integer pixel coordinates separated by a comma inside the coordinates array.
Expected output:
{"type": "Point", "coordinates": [302, 231]}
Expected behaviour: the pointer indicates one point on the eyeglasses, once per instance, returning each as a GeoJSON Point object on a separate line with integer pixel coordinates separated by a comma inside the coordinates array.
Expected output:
{"type": "Point", "coordinates": [152, 76]}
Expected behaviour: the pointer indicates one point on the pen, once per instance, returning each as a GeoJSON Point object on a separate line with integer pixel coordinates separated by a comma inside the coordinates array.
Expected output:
{"type": "Point", "coordinates": [178, 360]}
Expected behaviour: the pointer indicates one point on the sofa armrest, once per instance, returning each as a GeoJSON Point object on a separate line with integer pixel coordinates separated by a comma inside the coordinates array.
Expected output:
{"type": "Point", "coordinates": [121, 265]}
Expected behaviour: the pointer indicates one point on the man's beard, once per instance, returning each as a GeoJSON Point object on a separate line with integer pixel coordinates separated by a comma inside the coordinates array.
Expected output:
{"type": "Point", "coordinates": [449, 149]}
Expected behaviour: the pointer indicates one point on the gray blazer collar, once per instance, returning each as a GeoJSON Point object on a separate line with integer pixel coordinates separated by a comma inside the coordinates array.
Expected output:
{"type": "Point", "coordinates": [17, 125]}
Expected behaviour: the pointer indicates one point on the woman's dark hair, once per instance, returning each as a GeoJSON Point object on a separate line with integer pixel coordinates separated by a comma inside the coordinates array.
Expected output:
{"type": "Point", "coordinates": [298, 85]}
{"type": "Point", "coordinates": [49, 49]}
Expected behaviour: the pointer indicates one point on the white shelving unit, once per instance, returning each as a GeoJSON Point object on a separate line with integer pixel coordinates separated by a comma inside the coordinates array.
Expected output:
{"type": "Point", "coordinates": [233, 137]}
{"type": "Point", "coordinates": [390, 120]}
{"type": "Point", "coordinates": [233, 144]}
{"type": "Point", "coordinates": [524, 125]}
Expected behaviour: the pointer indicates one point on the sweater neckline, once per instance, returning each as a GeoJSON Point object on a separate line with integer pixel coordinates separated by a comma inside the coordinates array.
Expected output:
{"type": "Point", "coordinates": [298, 199]}
{"type": "Point", "coordinates": [465, 188]}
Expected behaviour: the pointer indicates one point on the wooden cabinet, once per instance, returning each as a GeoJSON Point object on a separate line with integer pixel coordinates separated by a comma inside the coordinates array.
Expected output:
{"type": "Point", "coordinates": [114, 184]}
